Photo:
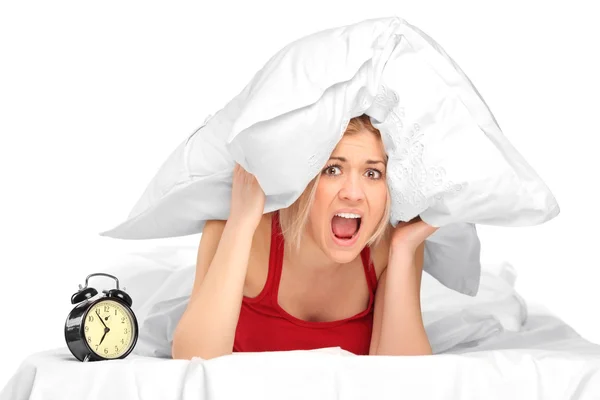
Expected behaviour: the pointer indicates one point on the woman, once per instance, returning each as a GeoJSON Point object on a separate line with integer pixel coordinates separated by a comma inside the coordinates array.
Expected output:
{"type": "Point", "coordinates": [327, 271]}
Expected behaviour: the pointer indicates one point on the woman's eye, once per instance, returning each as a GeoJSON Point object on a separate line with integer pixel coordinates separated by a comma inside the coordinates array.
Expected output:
{"type": "Point", "coordinates": [332, 167]}
{"type": "Point", "coordinates": [377, 173]}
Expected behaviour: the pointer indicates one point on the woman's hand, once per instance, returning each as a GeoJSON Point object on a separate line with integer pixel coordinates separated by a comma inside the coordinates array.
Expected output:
{"type": "Point", "coordinates": [407, 236]}
{"type": "Point", "coordinates": [247, 198]}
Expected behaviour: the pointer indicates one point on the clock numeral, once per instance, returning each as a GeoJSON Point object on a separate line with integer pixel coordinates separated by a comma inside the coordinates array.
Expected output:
{"type": "Point", "coordinates": [116, 349]}
{"type": "Point", "coordinates": [106, 308]}
{"type": "Point", "coordinates": [125, 331]}
{"type": "Point", "coordinates": [89, 339]}
{"type": "Point", "coordinates": [106, 350]}
{"type": "Point", "coordinates": [122, 341]}
{"type": "Point", "coordinates": [90, 318]}
{"type": "Point", "coordinates": [87, 328]}
{"type": "Point", "coordinates": [123, 320]}
{"type": "Point", "coordinates": [96, 347]}
{"type": "Point", "coordinates": [115, 311]}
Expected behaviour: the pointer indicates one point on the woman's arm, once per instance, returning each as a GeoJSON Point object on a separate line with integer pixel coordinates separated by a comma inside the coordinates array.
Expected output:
{"type": "Point", "coordinates": [207, 327]}
{"type": "Point", "coordinates": [398, 323]}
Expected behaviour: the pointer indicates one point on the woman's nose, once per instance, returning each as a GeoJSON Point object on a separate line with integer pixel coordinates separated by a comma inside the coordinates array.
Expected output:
{"type": "Point", "coordinates": [352, 189]}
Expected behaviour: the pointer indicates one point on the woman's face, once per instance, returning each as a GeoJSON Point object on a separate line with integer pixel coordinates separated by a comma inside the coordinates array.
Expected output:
{"type": "Point", "coordinates": [354, 178]}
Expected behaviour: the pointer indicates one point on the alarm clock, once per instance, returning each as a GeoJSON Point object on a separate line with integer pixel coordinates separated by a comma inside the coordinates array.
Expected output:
{"type": "Point", "coordinates": [101, 326]}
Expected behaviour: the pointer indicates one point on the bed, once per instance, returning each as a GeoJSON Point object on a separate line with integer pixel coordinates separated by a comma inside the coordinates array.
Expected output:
{"type": "Point", "coordinates": [496, 345]}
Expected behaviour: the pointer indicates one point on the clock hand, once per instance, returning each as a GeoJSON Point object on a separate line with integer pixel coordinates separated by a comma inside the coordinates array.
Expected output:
{"type": "Point", "coordinates": [101, 320]}
{"type": "Point", "coordinates": [103, 336]}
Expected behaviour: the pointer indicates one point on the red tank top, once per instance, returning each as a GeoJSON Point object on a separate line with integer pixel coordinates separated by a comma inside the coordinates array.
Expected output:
{"type": "Point", "coordinates": [263, 325]}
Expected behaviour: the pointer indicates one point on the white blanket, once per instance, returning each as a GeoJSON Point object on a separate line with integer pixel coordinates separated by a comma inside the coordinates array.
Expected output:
{"type": "Point", "coordinates": [546, 360]}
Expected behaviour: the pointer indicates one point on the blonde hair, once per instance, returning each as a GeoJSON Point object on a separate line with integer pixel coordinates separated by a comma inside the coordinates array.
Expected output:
{"type": "Point", "coordinates": [293, 219]}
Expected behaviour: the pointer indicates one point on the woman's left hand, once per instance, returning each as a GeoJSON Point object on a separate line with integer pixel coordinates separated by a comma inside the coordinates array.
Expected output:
{"type": "Point", "coordinates": [407, 236]}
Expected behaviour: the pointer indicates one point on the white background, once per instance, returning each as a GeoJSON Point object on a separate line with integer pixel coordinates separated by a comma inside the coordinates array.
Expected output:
{"type": "Point", "coordinates": [95, 95]}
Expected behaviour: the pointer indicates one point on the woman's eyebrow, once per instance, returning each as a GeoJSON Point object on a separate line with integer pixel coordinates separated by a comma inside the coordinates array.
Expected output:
{"type": "Point", "coordinates": [343, 159]}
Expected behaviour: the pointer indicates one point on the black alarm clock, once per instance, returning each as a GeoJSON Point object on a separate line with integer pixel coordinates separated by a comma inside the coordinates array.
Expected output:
{"type": "Point", "coordinates": [101, 327]}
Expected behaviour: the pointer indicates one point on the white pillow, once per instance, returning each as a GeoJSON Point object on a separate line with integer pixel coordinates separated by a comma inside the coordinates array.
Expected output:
{"type": "Point", "coordinates": [448, 160]}
{"type": "Point", "coordinates": [294, 112]}
{"type": "Point", "coordinates": [450, 318]}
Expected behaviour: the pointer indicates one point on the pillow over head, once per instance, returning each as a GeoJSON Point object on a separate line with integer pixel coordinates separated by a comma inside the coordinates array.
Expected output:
{"type": "Point", "coordinates": [448, 160]}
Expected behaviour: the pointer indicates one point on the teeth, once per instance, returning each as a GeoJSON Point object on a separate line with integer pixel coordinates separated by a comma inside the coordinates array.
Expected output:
{"type": "Point", "coordinates": [348, 215]}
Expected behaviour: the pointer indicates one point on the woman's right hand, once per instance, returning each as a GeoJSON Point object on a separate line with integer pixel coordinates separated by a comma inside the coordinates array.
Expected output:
{"type": "Point", "coordinates": [247, 198]}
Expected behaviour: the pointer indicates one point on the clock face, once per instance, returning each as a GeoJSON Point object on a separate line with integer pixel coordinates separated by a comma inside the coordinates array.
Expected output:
{"type": "Point", "coordinates": [109, 329]}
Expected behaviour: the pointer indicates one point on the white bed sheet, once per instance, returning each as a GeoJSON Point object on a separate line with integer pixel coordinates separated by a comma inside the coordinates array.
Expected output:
{"type": "Point", "coordinates": [545, 360]}
{"type": "Point", "coordinates": [493, 346]}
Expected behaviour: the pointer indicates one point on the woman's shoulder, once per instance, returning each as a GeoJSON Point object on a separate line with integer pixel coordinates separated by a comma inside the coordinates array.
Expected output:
{"type": "Point", "coordinates": [380, 255]}
{"type": "Point", "coordinates": [214, 229]}
{"type": "Point", "coordinates": [261, 242]}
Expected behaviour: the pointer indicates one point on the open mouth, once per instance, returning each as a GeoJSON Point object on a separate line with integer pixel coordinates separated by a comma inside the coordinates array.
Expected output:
{"type": "Point", "coordinates": [345, 229]}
